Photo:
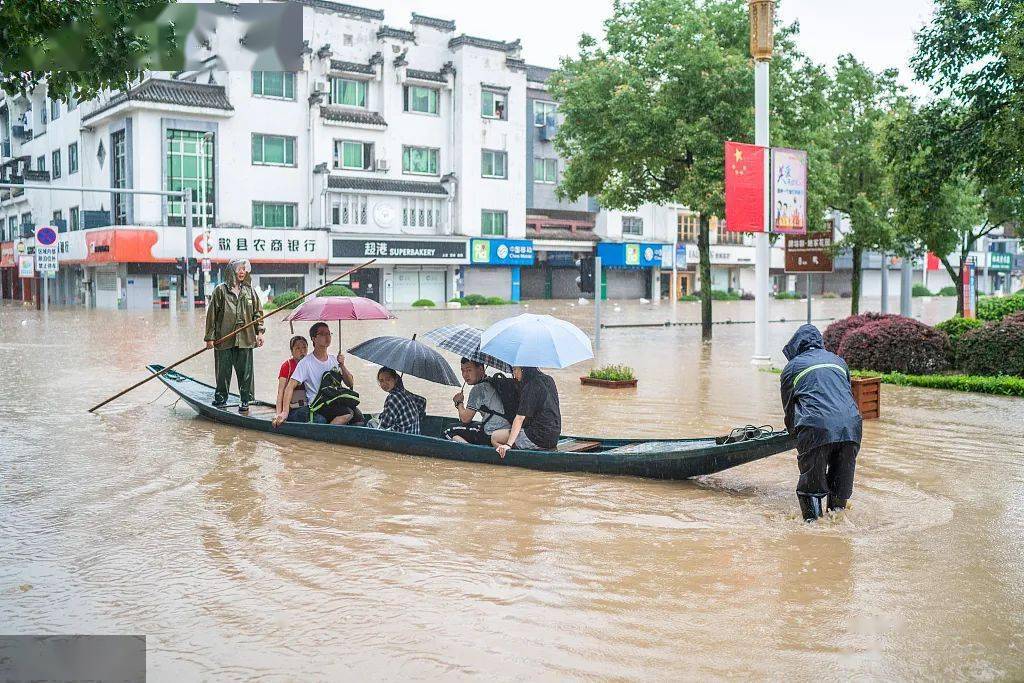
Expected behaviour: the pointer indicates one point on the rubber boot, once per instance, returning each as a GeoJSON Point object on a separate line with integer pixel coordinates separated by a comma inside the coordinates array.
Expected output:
{"type": "Point", "coordinates": [810, 506]}
{"type": "Point", "coordinates": [836, 503]}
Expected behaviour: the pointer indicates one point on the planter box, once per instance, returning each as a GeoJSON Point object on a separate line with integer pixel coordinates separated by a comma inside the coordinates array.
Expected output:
{"type": "Point", "coordinates": [867, 392]}
{"type": "Point", "coordinates": [608, 383]}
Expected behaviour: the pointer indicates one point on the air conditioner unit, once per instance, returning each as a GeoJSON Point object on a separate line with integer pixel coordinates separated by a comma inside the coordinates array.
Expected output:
{"type": "Point", "coordinates": [382, 164]}
{"type": "Point", "coordinates": [319, 86]}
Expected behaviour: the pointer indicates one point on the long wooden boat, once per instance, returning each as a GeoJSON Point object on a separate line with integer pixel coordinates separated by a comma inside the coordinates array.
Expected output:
{"type": "Point", "coordinates": [652, 458]}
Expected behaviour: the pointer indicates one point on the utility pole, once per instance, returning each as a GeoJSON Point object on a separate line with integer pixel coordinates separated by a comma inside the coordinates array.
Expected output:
{"type": "Point", "coordinates": [762, 33]}
{"type": "Point", "coordinates": [189, 287]}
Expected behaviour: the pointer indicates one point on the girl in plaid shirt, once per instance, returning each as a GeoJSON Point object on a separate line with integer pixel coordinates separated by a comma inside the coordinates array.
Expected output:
{"type": "Point", "coordinates": [403, 410]}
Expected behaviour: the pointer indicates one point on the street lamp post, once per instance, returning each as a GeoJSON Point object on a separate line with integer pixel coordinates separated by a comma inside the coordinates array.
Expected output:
{"type": "Point", "coordinates": [762, 33]}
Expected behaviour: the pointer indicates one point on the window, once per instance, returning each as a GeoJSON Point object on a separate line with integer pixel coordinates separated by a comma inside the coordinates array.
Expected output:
{"type": "Point", "coordinates": [280, 84]}
{"type": "Point", "coordinates": [349, 209]}
{"type": "Point", "coordinates": [724, 236]}
{"type": "Point", "coordinates": [689, 227]}
{"type": "Point", "coordinates": [54, 110]}
{"type": "Point", "coordinates": [420, 160]}
{"type": "Point", "coordinates": [57, 166]}
{"type": "Point", "coordinates": [545, 170]}
{"type": "Point", "coordinates": [421, 213]}
{"type": "Point", "coordinates": [492, 104]}
{"type": "Point", "coordinates": [632, 225]}
{"type": "Point", "coordinates": [119, 171]}
{"type": "Point", "coordinates": [73, 158]}
{"type": "Point", "coordinates": [72, 103]}
{"type": "Point", "coordinates": [353, 155]}
{"type": "Point", "coordinates": [493, 223]}
{"type": "Point", "coordinates": [190, 167]}
{"type": "Point", "coordinates": [273, 215]}
{"type": "Point", "coordinates": [277, 150]}
{"type": "Point", "coordinates": [493, 164]}
{"type": "Point", "coordinates": [543, 113]}
{"type": "Point", "coordinates": [58, 221]}
{"type": "Point", "coordinates": [348, 92]}
{"type": "Point", "coordinates": [12, 228]}
{"type": "Point", "coordinates": [420, 99]}
{"type": "Point", "coordinates": [75, 224]}
{"type": "Point", "coordinates": [41, 162]}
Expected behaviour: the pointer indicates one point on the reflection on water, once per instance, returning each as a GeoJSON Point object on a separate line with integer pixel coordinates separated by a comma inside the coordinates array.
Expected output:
{"type": "Point", "coordinates": [243, 554]}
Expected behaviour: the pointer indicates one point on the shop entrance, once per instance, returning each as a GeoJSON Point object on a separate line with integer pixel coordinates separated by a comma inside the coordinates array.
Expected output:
{"type": "Point", "coordinates": [366, 282]}
{"type": "Point", "coordinates": [411, 285]}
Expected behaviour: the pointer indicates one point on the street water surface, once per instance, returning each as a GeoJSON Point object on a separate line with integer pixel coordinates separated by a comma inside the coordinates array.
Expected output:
{"type": "Point", "coordinates": [243, 555]}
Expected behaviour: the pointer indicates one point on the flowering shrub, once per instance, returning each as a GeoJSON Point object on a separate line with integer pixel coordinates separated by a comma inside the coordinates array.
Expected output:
{"type": "Point", "coordinates": [995, 349]}
{"type": "Point", "coordinates": [835, 332]}
{"type": "Point", "coordinates": [897, 344]}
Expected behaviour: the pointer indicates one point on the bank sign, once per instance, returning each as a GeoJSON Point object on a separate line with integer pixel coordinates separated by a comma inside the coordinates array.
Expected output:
{"type": "Point", "coordinates": [630, 254]}
{"type": "Point", "coordinates": [501, 252]}
{"type": "Point", "coordinates": [404, 250]}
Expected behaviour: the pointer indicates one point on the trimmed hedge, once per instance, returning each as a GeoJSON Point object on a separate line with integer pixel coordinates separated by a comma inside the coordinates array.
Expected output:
{"type": "Point", "coordinates": [956, 326]}
{"type": "Point", "coordinates": [423, 303]}
{"type": "Point", "coordinates": [789, 295]}
{"type": "Point", "coordinates": [284, 298]}
{"type": "Point", "coordinates": [480, 300]}
{"type": "Point", "coordinates": [994, 349]}
{"type": "Point", "coordinates": [897, 344]}
{"type": "Point", "coordinates": [837, 331]}
{"type": "Point", "coordinates": [948, 291]}
{"type": "Point", "coordinates": [920, 290]}
{"type": "Point", "coordinates": [336, 290]}
{"type": "Point", "coordinates": [1001, 386]}
{"type": "Point", "coordinates": [998, 307]}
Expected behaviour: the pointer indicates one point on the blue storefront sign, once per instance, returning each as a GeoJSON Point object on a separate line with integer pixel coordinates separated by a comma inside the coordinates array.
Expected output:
{"type": "Point", "coordinates": [498, 252]}
{"type": "Point", "coordinates": [630, 254]}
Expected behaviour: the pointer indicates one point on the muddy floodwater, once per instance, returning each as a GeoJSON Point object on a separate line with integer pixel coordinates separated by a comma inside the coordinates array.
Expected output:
{"type": "Point", "coordinates": [245, 555]}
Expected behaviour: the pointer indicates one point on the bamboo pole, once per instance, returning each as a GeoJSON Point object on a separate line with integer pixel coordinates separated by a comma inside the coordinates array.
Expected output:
{"type": "Point", "coordinates": [228, 336]}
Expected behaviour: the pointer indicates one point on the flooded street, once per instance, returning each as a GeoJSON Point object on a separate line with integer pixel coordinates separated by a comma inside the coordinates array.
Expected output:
{"type": "Point", "coordinates": [242, 555]}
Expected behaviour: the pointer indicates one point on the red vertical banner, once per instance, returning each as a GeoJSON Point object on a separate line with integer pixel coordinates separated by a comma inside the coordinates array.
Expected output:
{"type": "Point", "coordinates": [744, 187]}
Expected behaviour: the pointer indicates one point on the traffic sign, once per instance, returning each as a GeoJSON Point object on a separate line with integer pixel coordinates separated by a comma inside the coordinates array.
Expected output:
{"type": "Point", "coordinates": [46, 250]}
{"type": "Point", "coordinates": [46, 236]}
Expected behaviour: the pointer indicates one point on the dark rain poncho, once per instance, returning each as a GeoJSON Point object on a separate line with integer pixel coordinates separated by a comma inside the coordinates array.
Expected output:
{"type": "Point", "coordinates": [816, 393]}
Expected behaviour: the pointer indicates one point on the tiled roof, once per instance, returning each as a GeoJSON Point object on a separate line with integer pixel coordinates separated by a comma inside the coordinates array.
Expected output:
{"type": "Point", "coordinates": [539, 74]}
{"type": "Point", "coordinates": [164, 91]}
{"type": "Point", "coordinates": [418, 74]}
{"type": "Point", "coordinates": [440, 24]}
{"type": "Point", "coordinates": [515, 64]}
{"type": "Point", "coordinates": [370, 118]}
{"type": "Point", "coordinates": [562, 215]}
{"type": "Point", "coordinates": [401, 34]}
{"type": "Point", "coordinates": [561, 234]}
{"type": "Point", "coordinates": [385, 185]}
{"type": "Point", "coordinates": [484, 43]}
{"type": "Point", "coordinates": [342, 8]}
{"type": "Point", "coordinates": [352, 67]}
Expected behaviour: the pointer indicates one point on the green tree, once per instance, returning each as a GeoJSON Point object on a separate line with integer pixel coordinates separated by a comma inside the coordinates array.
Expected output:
{"type": "Point", "coordinates": [80, 48]}
{"type": "Point", "coordinates": [647, 112]}
{"type": "Point", "coordinates": [861, 101]}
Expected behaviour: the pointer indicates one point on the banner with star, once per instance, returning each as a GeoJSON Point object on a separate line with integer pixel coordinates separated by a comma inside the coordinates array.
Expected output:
{"type": "Point", "coordinates": [744, 187]}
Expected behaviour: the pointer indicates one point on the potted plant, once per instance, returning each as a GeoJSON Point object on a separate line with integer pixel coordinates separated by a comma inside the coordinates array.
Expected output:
{"type": "Point", "coordinates": [610, 376]}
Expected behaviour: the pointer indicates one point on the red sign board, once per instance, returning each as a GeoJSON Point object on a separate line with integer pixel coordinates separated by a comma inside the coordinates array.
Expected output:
{"type": "Point", "coordinates": [744, 187]}
{"type": "Point", "coordinates": [810, 253]}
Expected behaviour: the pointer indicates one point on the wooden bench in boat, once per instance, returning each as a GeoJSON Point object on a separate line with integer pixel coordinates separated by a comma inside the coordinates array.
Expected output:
{"type": "Point", "coordinates": [576, 445]}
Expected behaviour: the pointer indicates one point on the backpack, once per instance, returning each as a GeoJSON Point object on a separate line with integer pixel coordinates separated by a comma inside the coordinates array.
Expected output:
{"type": "Point", "coordinates": [333, 391]}
{"type": "Point", "coordinates": [508, 392]}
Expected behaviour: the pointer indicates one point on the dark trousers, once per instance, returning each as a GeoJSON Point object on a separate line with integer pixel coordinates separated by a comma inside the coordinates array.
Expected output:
{"type": "Point", "coordinates": [472, 433]}
{"type": "Point", "coordinates": [239, 360]}
{"type": "Point", "coordinates": [828, 470]}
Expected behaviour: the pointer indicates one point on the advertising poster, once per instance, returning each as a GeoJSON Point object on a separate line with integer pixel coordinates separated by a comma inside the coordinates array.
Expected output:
{"type": "Point", "coordinates": [789, 191]}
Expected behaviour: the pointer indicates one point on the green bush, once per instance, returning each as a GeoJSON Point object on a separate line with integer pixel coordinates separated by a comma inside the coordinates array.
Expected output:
{"type": "Point", "coordinates": [423, 303]}
{"type": "Point", "coordinates": [948, 291]}
{"type": "Point", "coordinates": [920, 290]}
{"type": "Point", "coordinates": [496, 301]}
{"type": "Point", "coordinates": [1001, 386]}
{"type": "Point", "coordinates": [956, 326]}
{"type": "Point", "coordinates": [689, 297]}
{"type": "Point", "coordinates": [336, 290]}
{"type": "Point", "coordinates": [474, 300]}
{"type": "Point", "coordinates": [615, 373]}
{"type": "Point", "coordinates": [455, 300]}
{"type": "Point", "coordinates": [828, 295]}
{"type": "Point", "coordinates": [789, 295]}
{"type": "Point", "coordinates": [284, 298]}
{"type": "Point", "coordinates": [998, 307]}
{"type": "Point", "coordinates": [996, 348]}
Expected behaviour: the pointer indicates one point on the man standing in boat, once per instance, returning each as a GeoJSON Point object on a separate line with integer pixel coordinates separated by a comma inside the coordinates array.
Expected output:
{"type": "Point", "coordinates": [821, 413]}
{"type": "Point", "coordinates": [234, 305]}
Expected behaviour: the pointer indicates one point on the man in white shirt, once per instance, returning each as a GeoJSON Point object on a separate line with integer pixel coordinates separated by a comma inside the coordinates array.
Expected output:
{"type": "Point", "coordinates": [310, 371]}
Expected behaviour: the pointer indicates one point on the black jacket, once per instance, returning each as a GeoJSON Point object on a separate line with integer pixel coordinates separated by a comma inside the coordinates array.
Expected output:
{"type": "Point", "coordinates": [816, 393]}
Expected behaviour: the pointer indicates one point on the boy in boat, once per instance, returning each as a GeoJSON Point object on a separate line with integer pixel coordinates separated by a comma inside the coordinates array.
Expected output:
{"type": "Point", "coordinates": [538, 421]}
{"type": "Point", "coordinates": [821, 413]}
{"type": "Point", "coordinates": [298, 348]}
{"type": "Point", "coordinates": [483, 399]}
{"type": "Point", "coordinates": [233, 305]}
{"type": "Point", "coordinates": [403, 410]}
{"type": "Point", "coordinates": [309, 372]}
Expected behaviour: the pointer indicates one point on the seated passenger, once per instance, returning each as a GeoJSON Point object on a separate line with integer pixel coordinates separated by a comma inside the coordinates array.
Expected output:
{"type": "Point", "coordinates": [403, 410]}
{"type": "Point", "coordinates": [298, 347]}
{"type": "Point", "coordinates": [485, 399]}
{"type": "Point", "coordinates": [538, 421]}
{"type": "Point", "coordinates": [309, 372]}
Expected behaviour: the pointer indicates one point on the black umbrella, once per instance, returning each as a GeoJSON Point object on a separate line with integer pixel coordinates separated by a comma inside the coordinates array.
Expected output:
{"type": "Point", "coordinates": [408, 356]}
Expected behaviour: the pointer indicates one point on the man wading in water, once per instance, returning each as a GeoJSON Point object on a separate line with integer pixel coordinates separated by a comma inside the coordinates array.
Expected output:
{"type": "Point", "coordinates": [234, 304]}
{"type": "Point", "coordinates": [821, 413]}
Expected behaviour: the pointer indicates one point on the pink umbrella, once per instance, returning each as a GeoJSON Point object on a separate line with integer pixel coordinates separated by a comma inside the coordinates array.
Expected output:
{"type": "Point", "coordinates": [326, 308]}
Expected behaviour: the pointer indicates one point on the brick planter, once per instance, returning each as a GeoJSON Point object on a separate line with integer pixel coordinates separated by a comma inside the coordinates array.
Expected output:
{"type": "Point", "coordinates": [867, 392]}
{"type": "Point", "coordinates": [608, 383]}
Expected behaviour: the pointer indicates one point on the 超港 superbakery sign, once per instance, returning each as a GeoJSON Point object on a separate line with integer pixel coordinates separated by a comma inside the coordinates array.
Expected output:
{"type": "Point", "coordinates": [398, 249]}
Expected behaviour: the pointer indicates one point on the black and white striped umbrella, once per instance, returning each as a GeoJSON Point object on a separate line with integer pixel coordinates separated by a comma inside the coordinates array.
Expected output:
{"type": "Point", "coordinates": [464, 340]}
